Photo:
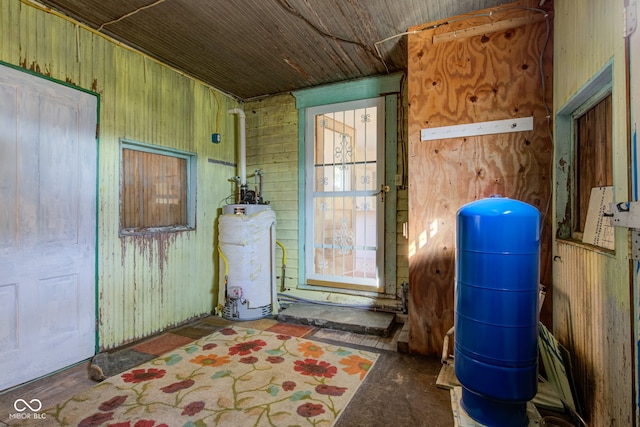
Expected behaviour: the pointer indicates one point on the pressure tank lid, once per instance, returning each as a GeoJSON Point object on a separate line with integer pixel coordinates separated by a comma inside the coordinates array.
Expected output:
{"type": "Point", "coordinates": [487, 219]}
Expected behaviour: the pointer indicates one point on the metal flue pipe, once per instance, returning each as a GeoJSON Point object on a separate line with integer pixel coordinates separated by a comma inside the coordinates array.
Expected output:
{"type": "Point", "coordinates": [243, 151]}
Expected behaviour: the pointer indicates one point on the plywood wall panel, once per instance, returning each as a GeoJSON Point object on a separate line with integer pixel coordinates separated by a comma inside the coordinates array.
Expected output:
{"type": "Point", "coordinates": [485, 77]}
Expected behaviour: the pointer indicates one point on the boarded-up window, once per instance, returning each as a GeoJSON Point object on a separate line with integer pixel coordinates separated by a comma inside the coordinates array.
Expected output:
{"type": "Point", "coordinates": [155, 190]}
{"type": "Point", "coordinates": [593, 158]}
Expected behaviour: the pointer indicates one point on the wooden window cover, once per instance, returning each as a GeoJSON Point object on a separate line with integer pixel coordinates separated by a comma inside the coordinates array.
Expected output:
{"type": "Point", "coordinates": [154, 190]}
{"type": "Point", "coordinates": [594, 162]}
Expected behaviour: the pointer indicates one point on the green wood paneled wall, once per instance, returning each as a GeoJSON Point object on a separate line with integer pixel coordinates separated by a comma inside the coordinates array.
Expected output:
{"type": "Point", "coordinates": [144, 283]}
{"type": "Point", "coordinates": [591, 304]}
{"type": "Point", "coordinates": [272, 145]}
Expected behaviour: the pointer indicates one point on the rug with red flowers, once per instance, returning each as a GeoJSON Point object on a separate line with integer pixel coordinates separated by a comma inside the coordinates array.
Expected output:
{"type": "Point", "coordinates": [235, 377]}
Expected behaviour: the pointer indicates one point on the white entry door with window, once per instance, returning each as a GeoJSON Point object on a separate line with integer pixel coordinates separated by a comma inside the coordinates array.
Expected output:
{"type": "Point", "coordinates": [344, 176]}
{"type": "Point", "coordinates": [47, 226]}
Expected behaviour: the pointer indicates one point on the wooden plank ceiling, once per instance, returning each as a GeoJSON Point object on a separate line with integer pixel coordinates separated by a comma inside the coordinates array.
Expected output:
{"type": "Point", "coordinates": [254, 48]}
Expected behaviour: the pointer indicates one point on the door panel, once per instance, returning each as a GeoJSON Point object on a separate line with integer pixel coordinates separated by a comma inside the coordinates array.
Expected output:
{"type": "Point", "coordinates": [8, 156]}
{"type": "Point", "coordinates": [346, 220]}
{"type": "Point", "coordinates": [47, 226]}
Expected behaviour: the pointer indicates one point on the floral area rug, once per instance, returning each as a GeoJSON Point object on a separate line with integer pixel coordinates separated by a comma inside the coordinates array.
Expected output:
{"type": "Point", "coordinates": [235, 377]}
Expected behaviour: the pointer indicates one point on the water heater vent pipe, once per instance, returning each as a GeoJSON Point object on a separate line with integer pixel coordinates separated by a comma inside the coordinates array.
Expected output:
{"type": "Point", "coordinates": [243, 151]}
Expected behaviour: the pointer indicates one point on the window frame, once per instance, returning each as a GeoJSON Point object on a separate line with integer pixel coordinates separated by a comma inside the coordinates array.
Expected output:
{"type": "Point", "coordinates": [596, 90]}
{"type": "Point", "coordinates": [191, 174]}
{"type": "Point", "coordinates": [582, 111]}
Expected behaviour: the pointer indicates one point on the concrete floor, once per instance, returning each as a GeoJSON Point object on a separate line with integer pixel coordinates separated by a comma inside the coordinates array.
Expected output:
{"type": "Point", "coordinates": [400, 392]}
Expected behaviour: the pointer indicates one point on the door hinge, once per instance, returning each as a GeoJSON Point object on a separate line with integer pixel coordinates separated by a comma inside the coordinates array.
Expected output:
{"type": "Point", "coordinates": [630, 18]}
{"type": "Point", "coordinates": [635, 244]}
{"type": "Point", "coordinates": [624, 214]}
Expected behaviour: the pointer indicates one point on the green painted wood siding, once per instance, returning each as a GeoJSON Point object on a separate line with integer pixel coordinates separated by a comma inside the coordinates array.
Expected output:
{"type": "Point", "coordinates": [591, 289]}
{"type": "Point", "coordinates": [145, 284]}
{"type": "Point", "coordinates": [272, 145]}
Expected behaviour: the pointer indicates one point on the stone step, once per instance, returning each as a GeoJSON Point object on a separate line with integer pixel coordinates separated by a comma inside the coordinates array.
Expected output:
{"type": "Point", "coordinates": [340, 318]}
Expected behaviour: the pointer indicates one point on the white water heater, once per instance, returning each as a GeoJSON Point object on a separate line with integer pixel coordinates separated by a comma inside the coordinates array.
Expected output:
{"type": "Point", "coordinates": [247, 240]}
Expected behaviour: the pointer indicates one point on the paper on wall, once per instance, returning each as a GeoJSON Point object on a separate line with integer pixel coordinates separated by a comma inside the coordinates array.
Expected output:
{"type": "Point", "coordinates": [598, 230]}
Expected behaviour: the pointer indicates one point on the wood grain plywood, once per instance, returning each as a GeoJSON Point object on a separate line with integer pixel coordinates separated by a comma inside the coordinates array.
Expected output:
{"type": "Point", "coordinates": [480, 77]}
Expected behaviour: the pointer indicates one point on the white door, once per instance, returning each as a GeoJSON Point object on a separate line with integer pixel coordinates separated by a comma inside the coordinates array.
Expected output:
{"type": "Point", "coordinates": [47, 226]}
{"type": "Point", "coordinates": [345, 211]}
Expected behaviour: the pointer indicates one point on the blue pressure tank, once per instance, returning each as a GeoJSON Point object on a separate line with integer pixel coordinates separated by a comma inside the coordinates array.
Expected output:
{"type": "Point", "coordinates": [496, 309]}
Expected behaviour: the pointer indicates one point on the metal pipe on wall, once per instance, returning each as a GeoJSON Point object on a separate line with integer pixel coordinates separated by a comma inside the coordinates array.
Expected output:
{"type": "Point", "coordinates": [243, 151]}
